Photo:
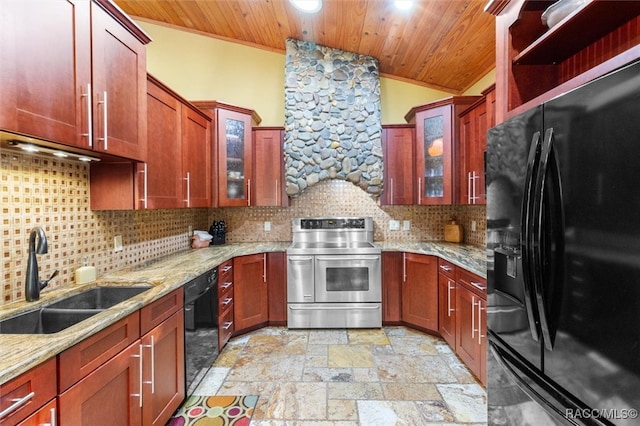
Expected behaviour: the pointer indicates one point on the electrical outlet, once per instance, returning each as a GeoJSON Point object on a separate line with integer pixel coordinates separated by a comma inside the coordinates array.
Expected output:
{"type": "Point", "coordinates": [406, 225]}
{"type": "Point", "coordinates": [190, 230]}
{"type": "Point", "coordinates": [267, 226]}
{"type": "Point", "coordinates": [473, 225]}
{"type": "Point", "coordinates": [394, 225]}
{"type": "Point", "coordinates": [117, 243]}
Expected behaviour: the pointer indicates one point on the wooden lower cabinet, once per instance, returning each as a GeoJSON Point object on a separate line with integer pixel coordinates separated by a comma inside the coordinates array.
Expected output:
{"type": "Point", "coordinates": [420, 291]}
{"type": "Point", "coordinates": [47, 415]}
{"type": "Point", "coordinates": [110, 395]}
{"type": "Point", "coordinates": [251, 305]}
{"type": "Point", "coordinates": [277, 287]}
{"type": "Point", "coordinates": [471, 330]}
{"type": "Point", "coordinates": [225, 303]}
{"type": "Point", "coordinates": [163, 370]}
{"type": "Point", "coordinates": [392, 287]}
{"type": "Point", "coordinates": [40, 380]}
{"type": "Point", "coordinates": [447, 309]}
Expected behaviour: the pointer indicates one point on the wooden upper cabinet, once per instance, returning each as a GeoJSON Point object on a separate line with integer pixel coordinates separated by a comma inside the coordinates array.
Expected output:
{"type": "Point", "coordinates": [196, 157]}
{"type": "Point", "coordinates": [437, 133]}
{"type": "Point", "coordinates": [45, 71]}
{"type": "Point", "coordinates": [535, 63]}
{"type": "Point", "coordinates": [268, 168]}
{"type": "Point", "coordinates": [232, 172]}
{"type": "Point", "coordinates": [398, 145]}
{"type": "Point", "coordinates": [119, 87]}
{"type": "Point", "coordinates": [59, 58]}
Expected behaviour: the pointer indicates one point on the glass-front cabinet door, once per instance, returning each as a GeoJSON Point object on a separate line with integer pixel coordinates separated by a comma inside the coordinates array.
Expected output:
{"type": "Point", "coordinates": [234, 158]}
{"type": "Point", "coordinates": [434, 154]}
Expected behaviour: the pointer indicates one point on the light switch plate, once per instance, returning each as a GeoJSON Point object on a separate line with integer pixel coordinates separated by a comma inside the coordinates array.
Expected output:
{"type": "Point", "coordinates": [394, 225]}
{"type": "Point", "coordinates": [267, 226]}
{"type": "Point", "coordinates": [117, 243]}
{"type": "Point", "coordinates": [406, 225]}
{"type": "Point", "coordinates": [473, 225]}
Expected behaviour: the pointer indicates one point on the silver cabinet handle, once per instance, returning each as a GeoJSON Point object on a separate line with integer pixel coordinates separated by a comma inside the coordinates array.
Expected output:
{"type": "Point", "coordinates": [473, 317]}
{"type": "Point", "coordinates": [264, 267]}
{"type": "Point", "coordinates": [145, 186]}
{"type": "Point", "coordinates": [188, 179]}
{"type": "Point", "coordinates": [478, 285]}
{"type": "Point", "coordinates": [52, 413]}
{"type": "Point", "coordinates": [277, 187]}
{"type": "Point", "coordinates": [449, 288]}
{"type": "Point", "coordinates": [227, 325]}
{"type": "Point", "coordinates": [89, 133]}
{"type": "Point", "coordinates": [226, 268]}
{"type": "Point", "coordinates": [248, 192]}
{"type": "Point", "coordinates": [446, 268]}
{"type": "Point", "coordinates": [104, 120]}
{"type": "Point", "coordinates": [390, 190]}
{"type": "Point", "coordinates": [139, 356]}
{"type": "Point", "coordinates": [404, 267]}
{"type": "Point", "coordinates": [152, 382]}
{"type": "Point", "coordinates": [227, 300]}
{"type": "Point", "coordinates": [419, 190]}
{"type": "Point", "coordinates": [480, 309]}
{"type": "Point", "coordinates": [227, 284]}
{"type": "Point", "coordinates": [17, 403]}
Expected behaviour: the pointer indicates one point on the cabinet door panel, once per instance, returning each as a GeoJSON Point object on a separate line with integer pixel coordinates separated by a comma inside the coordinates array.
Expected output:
{"type": "Point", "coordinates": [420, 291]}
{"type": "Point", "coordinates": [108, 396]}
{"type": "Point", "coordinates": [392, 287]}
{"type": "Point", "coordinates": [234, 158]}
{"type": "Point", "coordinates": [119, 70]}
{"type": "Point", "coordinates": [433, 156]}
{"type": "Point", "coordinates": [467, 328]}
{"type": "Point", "coordinates": [399, 176]}
{"type": "Point", "coordinates": [250, 289]}
{"type": "Point", "coordinates": [45, 69]}
{"type": "Point", "coordinates": [196, 158]}
{"type": "Point", "coordinates": [447, 309]}
{"type": "Point", "coordinates": [267, 184]}
{"type": "Point", "coordinates": [277, 287]}
{"type": "Point", "coordinates": [164, 395]}
{"type": "Point", "coordinates": [164, 159]}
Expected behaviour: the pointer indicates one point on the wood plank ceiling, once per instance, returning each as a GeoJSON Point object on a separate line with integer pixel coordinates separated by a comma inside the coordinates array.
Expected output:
{"type": "Point", "coordinates": [443, 44]}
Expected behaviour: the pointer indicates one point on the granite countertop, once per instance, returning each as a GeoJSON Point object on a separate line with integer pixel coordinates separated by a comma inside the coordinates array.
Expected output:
{"type": "Point", "coordinates": [19, 353]}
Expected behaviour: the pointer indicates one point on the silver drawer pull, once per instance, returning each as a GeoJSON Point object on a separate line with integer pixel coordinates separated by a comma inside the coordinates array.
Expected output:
{"type": "Point", "coordinates": [227, 301]}
{"type": "Point", "coordinates": [227, 284]}
{"type": "Point", "coordinates": [478, 285]}
{"type": "Point", "coordinates": [227, 325]}
{"type": "Point", "coordinates": [331, 308]}
{"type": "Point", "coordinates": [17, 403]}
{"type": "Point", "coordinates": [226, 268]}
{"type": "Point", "coordinates": [446, 268]}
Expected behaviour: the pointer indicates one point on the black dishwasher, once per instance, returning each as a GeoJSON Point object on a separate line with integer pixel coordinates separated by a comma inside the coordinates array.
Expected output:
{"type": "Point", "coordinates": [201, 328]}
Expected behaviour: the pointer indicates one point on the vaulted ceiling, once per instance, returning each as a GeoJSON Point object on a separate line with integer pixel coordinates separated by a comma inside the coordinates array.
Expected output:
{"type": "Point", "coordinates": [443, 44]}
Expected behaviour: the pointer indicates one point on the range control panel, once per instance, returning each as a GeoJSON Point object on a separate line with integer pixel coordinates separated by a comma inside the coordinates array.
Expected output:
{"type": "Point", "coordinates": [333, 223]}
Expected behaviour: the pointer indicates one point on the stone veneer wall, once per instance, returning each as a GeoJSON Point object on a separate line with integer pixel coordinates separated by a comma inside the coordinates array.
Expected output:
{"type": "Point", "coordinates": [333, 126]}
{"type": "Point", "coordinates": [54, 194]}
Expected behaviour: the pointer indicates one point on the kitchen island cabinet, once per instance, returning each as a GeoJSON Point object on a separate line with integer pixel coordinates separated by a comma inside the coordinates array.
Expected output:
{"type": "Point", "coordinates": [94, 96]}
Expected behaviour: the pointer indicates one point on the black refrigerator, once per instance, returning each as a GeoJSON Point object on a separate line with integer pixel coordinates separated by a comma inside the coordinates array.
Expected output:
{"type": "Point", "coordinates": [563, 247]}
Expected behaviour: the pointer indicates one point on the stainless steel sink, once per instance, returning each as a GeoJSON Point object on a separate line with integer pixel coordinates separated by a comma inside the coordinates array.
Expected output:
{"type": "Point", "coordinates": [98, 298]}
{"type": "Point", "coordinates": [60, 315]}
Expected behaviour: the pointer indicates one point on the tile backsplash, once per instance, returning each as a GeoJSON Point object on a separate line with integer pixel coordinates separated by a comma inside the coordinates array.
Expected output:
{"type": "Point", "coordinates": [54, 194]}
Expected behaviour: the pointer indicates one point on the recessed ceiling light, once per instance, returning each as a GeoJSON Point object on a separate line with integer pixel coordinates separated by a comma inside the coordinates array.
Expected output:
{"type": "Point", "coordinates": [404, 4]}
{"type": "Point", "coordinates": [307, 6]}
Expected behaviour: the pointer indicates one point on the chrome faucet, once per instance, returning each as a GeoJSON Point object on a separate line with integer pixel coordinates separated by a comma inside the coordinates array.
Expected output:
{"type": "Point", "coordinates": [32, 283]}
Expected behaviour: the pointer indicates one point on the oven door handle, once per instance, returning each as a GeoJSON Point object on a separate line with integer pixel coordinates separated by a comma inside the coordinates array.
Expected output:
{"type": "Point", "coordinates": [331, 308]}
{"type": "Point", "coordinates": [347, 258]}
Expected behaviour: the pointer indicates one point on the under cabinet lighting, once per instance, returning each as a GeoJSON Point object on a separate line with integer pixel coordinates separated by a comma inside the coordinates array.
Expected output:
{"type": "Point", "coordinates": [35, 148]}
{"type": "Point", "coordinates": [307, 6]}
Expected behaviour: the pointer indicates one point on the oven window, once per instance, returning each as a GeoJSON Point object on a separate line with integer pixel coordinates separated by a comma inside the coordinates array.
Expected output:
{"type": "Point", "coordinates": [347, 279]}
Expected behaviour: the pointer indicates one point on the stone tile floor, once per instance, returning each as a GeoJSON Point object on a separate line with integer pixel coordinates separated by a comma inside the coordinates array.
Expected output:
{"type": "Point", "coordinates": [373, 377]}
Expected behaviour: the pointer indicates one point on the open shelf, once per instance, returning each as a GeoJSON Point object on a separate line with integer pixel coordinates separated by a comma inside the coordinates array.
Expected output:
{"type": "Point", "coordinates": [581, 28]}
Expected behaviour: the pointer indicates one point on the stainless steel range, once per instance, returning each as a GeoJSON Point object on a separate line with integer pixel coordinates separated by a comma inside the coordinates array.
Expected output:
{"type": "Point", "coordinates": [334, 274]}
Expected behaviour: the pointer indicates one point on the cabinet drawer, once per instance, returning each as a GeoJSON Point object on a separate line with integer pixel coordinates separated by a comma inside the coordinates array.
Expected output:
{"type": "Point", "coordinates": [226, 327]}
{"type": "Point", "coordinates": [225, 300]}
{"type": "Point", "coordinates": [28, 392]}
{"type": "Point", "coordinates": [473, 282]}
{"type": "Point", "coordinates": [84, 357]}
{"type": "Point", "coordinates": [158, 311]}
{"type": "Point", "coordinates": [224, 288]}
{"type": "Point", "coordinates": [447, 268]}
{"type": "Point", "coordinates": [225, 273]}
{"type": "Point", "coordinates": [46, 415]}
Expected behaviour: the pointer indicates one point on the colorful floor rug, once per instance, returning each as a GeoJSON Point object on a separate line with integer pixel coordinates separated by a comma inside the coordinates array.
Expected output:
{"type": "Point", "coordinates": [215, 411]}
